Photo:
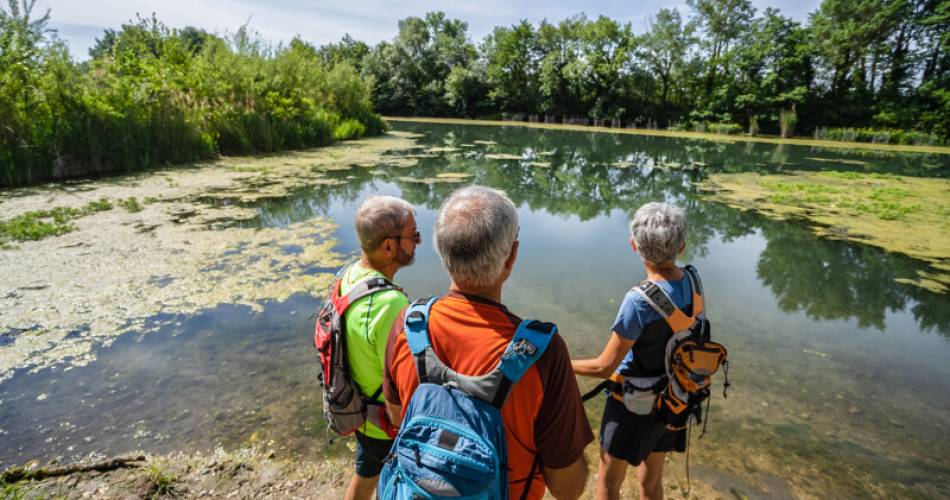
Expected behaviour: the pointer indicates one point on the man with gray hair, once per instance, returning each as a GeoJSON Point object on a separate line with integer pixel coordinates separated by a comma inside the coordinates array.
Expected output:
{"type": "Point", "coordinates": [634, 359]}
{"type": "Point", "coordinates": [476, 236]}
{"type": "Point", "coordinates": [387, 233]}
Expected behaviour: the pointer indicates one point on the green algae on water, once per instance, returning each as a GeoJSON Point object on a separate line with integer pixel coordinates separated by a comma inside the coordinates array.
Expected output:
{"type": "Point", "coordinates": [95, 273]}
{"type": "Point", "coordinates": [906, 215]}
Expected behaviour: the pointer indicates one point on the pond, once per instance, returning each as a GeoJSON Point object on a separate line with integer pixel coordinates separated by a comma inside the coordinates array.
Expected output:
{"type": "Point", "coordinates": [841, 376]}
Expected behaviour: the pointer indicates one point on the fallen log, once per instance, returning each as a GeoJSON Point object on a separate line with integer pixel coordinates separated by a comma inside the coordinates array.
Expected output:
{"type": "Point", "coordinates": [16, 474]}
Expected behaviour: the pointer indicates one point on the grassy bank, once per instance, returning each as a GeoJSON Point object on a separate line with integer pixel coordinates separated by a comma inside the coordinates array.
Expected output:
{"type": "Point", "coordinates": [152, 95]}
{"type": "Point", "coordinates": [905, 215]}
{"type": "Point", "coordinates": [682, 134]}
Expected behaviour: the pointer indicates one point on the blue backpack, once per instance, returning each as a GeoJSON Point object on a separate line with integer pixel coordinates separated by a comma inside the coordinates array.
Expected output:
{"type": "Point", "coordinates": [452, 439]}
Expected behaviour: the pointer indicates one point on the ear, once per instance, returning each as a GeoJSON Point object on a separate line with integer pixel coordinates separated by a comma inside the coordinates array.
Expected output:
{"type": "Point", "coordinates": [512, 256]}
{"type": "Point", "coordinates": [633, 244]}
{"type": "Point", "coordinates": [388, 247]}
{"type": "Point", "coordinates": [682, 249]}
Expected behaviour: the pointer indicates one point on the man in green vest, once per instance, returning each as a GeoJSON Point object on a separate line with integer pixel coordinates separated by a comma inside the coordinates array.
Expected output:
{"type": "Point", "coordinates": [387, 232]}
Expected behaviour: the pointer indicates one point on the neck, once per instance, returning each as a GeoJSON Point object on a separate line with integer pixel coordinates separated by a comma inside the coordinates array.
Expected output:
{"type": "Point", "coordinates": [668, 271]}
{"type": "Point", "coordinates": [492, 293]}
{"type": "Point", "coordinates": [386, 269]}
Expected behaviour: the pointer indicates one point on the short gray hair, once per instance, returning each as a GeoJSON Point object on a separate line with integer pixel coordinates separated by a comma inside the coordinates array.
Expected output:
{"type": "Point", "coordinates": [380, 217]}
{"type": "Point", "coordinates": [660, 232]}
{"type": "Point", "coordinates": [473, 234]}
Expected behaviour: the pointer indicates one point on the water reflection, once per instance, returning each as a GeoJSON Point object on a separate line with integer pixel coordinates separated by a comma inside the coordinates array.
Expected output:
{"type": "Point", "coordinates": [593, 175]}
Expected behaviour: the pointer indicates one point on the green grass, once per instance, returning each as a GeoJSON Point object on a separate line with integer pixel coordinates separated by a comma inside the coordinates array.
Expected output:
{"type": "Point", "coordinates": [11, 492]}
{"type": "Point", "coordinates": [39, 224]}
{"type": "Point", "coordinates": [163, 483]}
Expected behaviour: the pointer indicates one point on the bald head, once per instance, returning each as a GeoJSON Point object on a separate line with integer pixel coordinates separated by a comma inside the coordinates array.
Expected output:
{"type": "Point", "coordinates": [474, 233]}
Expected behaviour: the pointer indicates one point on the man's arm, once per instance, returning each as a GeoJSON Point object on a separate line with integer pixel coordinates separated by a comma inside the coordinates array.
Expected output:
{"type": "Point", "coordinates": [561, 430]}
{"type": "Point", "coordinates": [567, 483]}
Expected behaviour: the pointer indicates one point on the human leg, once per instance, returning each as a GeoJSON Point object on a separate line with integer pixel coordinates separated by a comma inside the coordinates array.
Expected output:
{"type": "Point", "coordinates": [370, 455]}
{"type": "Point", "coordinates": [610, 476]}
{"type": "Point", "coordinates": [650, 475]}
{"type": "Point", "coordinates": [361, 488]}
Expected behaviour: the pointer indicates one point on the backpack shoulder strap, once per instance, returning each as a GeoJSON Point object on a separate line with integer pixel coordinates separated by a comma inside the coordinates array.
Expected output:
{"type": "Point", "coordinates": [363, 288]}
{"type": "Point", "coordinates": [530, 341]}
{"type": "Point", "coordinates": [661, 302]}
{"type": "Point", "coordinates": [656, 298]}
{"type": "Point", "coordinates": [527, 345]}
{"type": "Point", "coordinates": [696, 285]}
{"type": "Point", "coordinates": [417, 333]}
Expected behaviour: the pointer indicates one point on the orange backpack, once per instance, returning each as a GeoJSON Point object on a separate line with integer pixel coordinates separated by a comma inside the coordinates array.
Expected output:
{"type": "Point", "coordinates": [691, 357]}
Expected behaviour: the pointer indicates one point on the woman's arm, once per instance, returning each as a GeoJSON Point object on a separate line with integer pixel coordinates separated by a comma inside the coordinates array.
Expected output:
{"type": "Point", "coordinates": [604, 365]}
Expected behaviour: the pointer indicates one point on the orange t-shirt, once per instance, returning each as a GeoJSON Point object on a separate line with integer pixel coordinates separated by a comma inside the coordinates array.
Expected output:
{"type": "Point", "coordinates": [543, 416]}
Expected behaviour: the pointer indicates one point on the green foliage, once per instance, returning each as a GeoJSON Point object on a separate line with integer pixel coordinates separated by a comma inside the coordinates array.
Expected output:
{"type": "Point", "coordinates": [163, 483]}
{"type": "Point", "coordinates": [39, 224]}
{"type": "Point", "coordinates": [349, 129]}
{"type": "Point", "coordinates": [865, 63]}
{"type": "Point", "coordinates": [11, 491]}
{"type": "Point", "coordinates": [880, 136]}
{"type": "Point", "coordinates": [724, 128]}
{"type": "Point", "coordinates": [153, 95]}
{"type": "Point", "coordinates": [131, 204]}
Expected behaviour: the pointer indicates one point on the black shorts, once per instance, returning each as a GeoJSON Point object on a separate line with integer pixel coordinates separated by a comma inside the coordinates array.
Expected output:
{"type": "Point", "coordinates": [633, 437]}
{"type": "Point", "coordinates": [370, 454]}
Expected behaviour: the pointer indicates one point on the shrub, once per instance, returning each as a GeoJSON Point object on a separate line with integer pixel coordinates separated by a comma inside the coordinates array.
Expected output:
{"type": "Point", "coordinates": [348, 129]}
{"type": "Point", "coordinates": [152, 96]}
{"type": "Point", "coordinates": [724, 128]}
{"type": "Point", "coordinates": [880, 136]}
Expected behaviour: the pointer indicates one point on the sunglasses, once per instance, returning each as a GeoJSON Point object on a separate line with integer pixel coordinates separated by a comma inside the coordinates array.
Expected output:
{"type": "Point", "coordinates": [416, 237]}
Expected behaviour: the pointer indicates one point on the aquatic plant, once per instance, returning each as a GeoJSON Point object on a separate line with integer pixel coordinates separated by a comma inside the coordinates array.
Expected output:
{"type": "Point", "coordinates": [131, 204]}
{"type": "Point", "coordinates": [39, 224]}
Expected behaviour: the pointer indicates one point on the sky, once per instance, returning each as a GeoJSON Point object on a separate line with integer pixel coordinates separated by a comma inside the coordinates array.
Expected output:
{"type": "Point", "coordinates": [80, 22]}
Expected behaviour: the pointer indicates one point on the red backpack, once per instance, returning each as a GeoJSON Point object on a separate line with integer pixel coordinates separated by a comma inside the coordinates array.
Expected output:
{"type": "Point", "coordinates": [344, 406]}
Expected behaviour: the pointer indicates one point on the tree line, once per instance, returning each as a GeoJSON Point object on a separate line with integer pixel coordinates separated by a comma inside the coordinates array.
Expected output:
{"type": "Point", "coordinates": [721, 65]}
{"type": "Point", "coordinates": [152, 95]}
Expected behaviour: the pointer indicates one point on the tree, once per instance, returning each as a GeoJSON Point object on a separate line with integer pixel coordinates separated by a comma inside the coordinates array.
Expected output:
{"type": "Point", "coordinates": [411, 71]}
{"type": "Point", "coordinates": [722, 21]}
{"type": "Point", "coordinates": [664, 50]}
{"type": "Point", "coordinates": [347, 49]}
{"type": "Point", "coordinates": [512, 68]}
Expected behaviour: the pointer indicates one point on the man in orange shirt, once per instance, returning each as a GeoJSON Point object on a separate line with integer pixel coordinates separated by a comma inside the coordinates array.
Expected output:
{"type": "Point", "coordinates": [476, 236]}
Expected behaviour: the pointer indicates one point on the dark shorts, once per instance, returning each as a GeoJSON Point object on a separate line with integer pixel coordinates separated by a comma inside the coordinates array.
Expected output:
{"type": "Point", "coordinates": [370, 454]}
{"type": "Point", "coordinates": [633, 437]}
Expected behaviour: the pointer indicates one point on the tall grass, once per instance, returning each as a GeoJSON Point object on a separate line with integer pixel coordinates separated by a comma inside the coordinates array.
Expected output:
{"type": "Point", "coordinates": [154, 97]}
{"type": "Point", "coordinates": [879, 136]}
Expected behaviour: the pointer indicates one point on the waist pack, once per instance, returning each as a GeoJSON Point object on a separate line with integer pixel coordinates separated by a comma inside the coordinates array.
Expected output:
{"type": "Point", "coordinates": [345, 408]}
{"type": "Point", "coordinates": [691, 358]}
{"type": "Point", "coordinates": [452, 440]}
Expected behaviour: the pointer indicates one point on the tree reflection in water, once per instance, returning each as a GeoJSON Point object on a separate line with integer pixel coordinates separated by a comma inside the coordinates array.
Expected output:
{"type": "Point", "coordinates": [591, 175]}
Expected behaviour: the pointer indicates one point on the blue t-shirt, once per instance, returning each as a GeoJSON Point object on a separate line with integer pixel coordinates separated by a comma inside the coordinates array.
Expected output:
{"type": "Point", "coordinates": [635, 313]}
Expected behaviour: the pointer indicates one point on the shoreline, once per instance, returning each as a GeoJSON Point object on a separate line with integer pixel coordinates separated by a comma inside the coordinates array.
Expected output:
{"type": "Point", "coordinates": [897, 148]}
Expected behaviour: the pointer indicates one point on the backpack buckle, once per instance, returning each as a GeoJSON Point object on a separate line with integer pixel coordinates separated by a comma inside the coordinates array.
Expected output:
{"type": "Point", "coordinates": [523, 348]}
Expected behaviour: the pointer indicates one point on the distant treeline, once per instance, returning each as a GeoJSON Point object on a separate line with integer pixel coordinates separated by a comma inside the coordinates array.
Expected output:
{"type": "Point", "coordinates": [882, 64]}
{"type": "Point", "coordinates": [151, 95]}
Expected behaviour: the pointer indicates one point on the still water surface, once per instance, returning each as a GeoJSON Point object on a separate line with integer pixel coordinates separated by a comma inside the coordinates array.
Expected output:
{"type": "Point", "coordinates": [841, 377]}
